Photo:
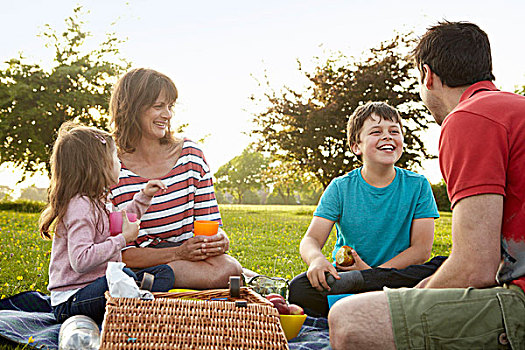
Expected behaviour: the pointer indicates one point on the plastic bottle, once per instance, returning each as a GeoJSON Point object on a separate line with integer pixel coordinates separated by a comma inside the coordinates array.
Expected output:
{"type": "Point", "coordinates": [79, 332]}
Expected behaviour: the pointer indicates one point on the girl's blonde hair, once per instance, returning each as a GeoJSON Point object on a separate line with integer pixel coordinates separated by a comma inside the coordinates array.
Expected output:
{"type": "Point", "coordinates": [134, 92]}
{"type": "Point", "coordinates": [81, 163]}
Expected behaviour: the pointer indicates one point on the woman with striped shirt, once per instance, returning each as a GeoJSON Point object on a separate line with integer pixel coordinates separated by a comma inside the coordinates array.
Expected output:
{"type": "Point", "coordinates": [141, 109]}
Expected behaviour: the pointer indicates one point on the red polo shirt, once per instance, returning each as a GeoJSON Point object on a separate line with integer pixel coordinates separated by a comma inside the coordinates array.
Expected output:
{"type": "Point", "coordinates": [482, 151]}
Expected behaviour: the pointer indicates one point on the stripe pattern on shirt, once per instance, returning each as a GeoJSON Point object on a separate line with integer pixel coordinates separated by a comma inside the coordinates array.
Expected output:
{"type": "Point", "coordinates": [190, 196]}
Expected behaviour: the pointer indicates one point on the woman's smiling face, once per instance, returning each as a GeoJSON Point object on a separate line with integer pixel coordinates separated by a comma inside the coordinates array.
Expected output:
{"type": "Point", "coordinates": [155, 120]}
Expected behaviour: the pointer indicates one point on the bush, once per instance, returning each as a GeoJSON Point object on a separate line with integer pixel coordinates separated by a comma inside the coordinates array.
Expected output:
{"type": "Point", "coordinates": [23, 206]}
{"type": "Point", "coordinates": [441, 196]}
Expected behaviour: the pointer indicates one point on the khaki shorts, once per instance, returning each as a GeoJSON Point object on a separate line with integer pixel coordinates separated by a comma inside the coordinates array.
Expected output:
{"type": "Point", "coordinates": [492, 318]}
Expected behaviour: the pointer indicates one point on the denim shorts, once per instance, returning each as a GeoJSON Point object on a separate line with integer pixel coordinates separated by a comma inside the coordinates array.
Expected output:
{"type": "Point", "coordinates": [491, 318]}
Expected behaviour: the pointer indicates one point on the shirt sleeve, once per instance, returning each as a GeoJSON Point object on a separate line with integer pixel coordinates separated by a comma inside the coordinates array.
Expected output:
{"type": "Point", "coordinates": [473, 153]}
{"type": "Point", "coordinates": [329, 206]}
{"type": "Point", "coordinates": [426, 206]}
{"type": "Point", "coordinates": [80, 222]}
{"type": "Point", "coordinates": [139, 204]}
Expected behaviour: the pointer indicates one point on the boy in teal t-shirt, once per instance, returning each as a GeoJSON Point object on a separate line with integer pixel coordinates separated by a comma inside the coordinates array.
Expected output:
{"type": "Point", "coordinates": [386, 214]}
{"type": "Point", "coordinates": [376, 222]}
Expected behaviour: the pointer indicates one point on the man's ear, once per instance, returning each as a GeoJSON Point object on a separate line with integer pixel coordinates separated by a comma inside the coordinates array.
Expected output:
{"type": "Point", "coordinates": [355, 149]}
{"type": "Point", "coordinates": [428, 77]}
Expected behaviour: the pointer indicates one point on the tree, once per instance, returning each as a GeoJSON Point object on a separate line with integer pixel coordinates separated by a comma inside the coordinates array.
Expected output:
{"type": "Point", "coordinates": [34, 102]}
{"type": "Point", "coordinates": [308, 129]}
{"type": "Point", "coordinates": [290, 184]}
{"type": "Point", "coordinates": [6, 193]}
{"type": "Point", "coordinates": [441, 196]}
{"type": "Point", "coordinates": [34, 193]}
{"type": "Point", "coordinates": [285, 179]}
{"type": "Point", "coordinates": [242, 174]}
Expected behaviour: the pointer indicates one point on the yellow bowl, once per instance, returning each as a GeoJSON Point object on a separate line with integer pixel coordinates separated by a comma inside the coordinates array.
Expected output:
{"type": "Point", "coordinates": [292, 324]}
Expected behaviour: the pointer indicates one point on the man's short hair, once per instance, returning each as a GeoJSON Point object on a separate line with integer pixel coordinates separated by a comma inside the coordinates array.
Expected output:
{"type": "Point", "coordinates": [458, 52]}
{"type": "Point", "coordinates": [362, 113]}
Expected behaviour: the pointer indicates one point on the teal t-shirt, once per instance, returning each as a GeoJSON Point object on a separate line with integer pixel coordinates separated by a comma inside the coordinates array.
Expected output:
{"type": "Point", "coordinates": [375, 221]}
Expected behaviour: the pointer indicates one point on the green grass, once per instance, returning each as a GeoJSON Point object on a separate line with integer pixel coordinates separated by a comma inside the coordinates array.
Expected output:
{"type": "Point", "coordinates": [263, 238]}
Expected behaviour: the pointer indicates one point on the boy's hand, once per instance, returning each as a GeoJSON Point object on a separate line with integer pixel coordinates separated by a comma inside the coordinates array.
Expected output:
{"type": "Point", "coordinates": [154, 186]}
{"type": "Point", "coordinates": [130, 230]}
{"type": "Point", "coordinates": [316, 273]}
{"type": "Point", "coordinates": [359, 264]}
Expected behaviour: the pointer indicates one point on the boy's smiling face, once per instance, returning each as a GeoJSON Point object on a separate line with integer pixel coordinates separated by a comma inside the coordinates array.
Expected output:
{"type": "Point", "coordinates": [380, 141]}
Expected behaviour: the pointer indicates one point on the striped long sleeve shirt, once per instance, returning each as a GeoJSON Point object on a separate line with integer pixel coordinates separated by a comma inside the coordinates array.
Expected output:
{"type": "Point", "coordinates": [190, 196]}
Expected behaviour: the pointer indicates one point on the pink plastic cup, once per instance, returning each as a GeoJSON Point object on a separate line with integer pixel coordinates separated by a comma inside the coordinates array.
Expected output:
{"type": "Point", "coordinates": [115, 221]}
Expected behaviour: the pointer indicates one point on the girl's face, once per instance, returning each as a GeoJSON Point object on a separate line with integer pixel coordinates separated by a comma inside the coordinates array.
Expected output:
{"type": "Point", "coordinates": [155, 120]}
{"type": "Point", "coordinates": [115, 169]}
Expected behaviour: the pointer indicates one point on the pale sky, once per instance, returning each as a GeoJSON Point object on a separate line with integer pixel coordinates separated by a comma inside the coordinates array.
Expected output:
{"type": "Point", "coordinates": [212, 49]}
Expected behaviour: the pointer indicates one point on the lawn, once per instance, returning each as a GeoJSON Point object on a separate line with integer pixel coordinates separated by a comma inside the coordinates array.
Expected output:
{"type": "Point", "coordinates": [263, 238]}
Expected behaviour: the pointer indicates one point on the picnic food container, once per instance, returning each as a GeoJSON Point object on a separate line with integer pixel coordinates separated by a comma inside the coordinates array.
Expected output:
{"type": "Point", "coordinates": [292, 324]}
{"type": "Point", "coordinates": [210, 319]}
{"type": "Point", "coordinates": [205, 227]}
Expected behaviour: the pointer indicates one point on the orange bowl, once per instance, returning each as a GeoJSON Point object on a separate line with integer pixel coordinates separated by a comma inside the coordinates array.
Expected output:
{"type": "Point", "coordinates": [292, 325]}
{"type": "Point", "coordinates": [205, 228]}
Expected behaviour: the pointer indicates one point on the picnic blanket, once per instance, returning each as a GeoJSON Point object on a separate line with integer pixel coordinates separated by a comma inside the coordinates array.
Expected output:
{"type": "Point", "coordinates": [313, 335]}
{"type": "Point", "coordinates": [26, 318]}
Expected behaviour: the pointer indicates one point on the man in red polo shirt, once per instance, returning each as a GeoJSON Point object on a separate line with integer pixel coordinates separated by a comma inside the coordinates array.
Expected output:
{"type": "Point", "coordinates": [476, 299]}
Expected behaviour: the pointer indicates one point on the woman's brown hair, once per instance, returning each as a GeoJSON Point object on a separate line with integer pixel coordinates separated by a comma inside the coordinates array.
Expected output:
{"type": "Point", "coordinates": [81, 163]}
{"type": "Point", "coordinates": [135, 91]}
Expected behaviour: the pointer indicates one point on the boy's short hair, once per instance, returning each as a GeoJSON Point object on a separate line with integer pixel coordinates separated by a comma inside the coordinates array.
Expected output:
{"type": "Point", "coordinates": [362, 113]}
{"type": "Point", "coordinates": [458, 52]}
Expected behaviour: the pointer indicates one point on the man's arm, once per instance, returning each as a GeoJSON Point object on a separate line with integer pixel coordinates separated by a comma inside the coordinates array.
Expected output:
{"type": "Point", "coordinates": [421, 240]}
{"type": "Point", "coordinates": [476, 244]}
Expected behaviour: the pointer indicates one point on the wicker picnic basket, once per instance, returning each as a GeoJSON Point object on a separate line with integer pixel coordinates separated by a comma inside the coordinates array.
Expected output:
{"type": "Point", "coordinates": [172, 321]}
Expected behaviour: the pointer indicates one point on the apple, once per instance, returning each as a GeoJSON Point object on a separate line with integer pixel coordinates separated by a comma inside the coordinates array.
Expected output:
{"type": "Point", "coordinates": [344, 257]}
{"type": "Point", "coordinates": [282, 308]}
{"type": "Point", "coordinates": [275, 295]}
{"type": "Point", "coordinates": [277, 301]}
{"type": "Point", "coordinates": [295, 309]}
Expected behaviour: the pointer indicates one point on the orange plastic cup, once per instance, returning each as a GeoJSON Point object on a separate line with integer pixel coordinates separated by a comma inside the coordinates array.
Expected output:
{"type": "Point", "coordinates": [205, 228]}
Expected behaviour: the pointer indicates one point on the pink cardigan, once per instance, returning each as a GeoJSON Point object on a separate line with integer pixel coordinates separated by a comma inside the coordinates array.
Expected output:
{"type": "Point", "coordinates": [80, 252]}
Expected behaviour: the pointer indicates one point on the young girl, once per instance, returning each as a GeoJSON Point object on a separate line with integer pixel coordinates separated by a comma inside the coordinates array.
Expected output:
{"type": "Point", "coordinates": [84, 165]}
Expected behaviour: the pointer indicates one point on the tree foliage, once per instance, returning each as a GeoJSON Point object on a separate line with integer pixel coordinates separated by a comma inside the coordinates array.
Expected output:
{"type": "Point", "coordinates": [242, 174]}
{"type": "Point", "coordinates": [308, 128]}
{"type": "Point", "coordinates": [441, 196]}
{"type": "Point", "coordinates": [290, 184]}
{"type": "Point", "coordinates": [34, 101]}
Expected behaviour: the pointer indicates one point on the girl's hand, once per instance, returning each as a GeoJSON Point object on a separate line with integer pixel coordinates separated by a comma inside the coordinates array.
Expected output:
{"type": "Point", "coordinates": [217, 244]}
{"type": "Point", "coordinates": [359, 264]}
{"type": "Point", "coordinates": [317, 273]}
{"type": "Point", "coordinates": [130, 230]}
{"type": "Point", "coordinates": [153, 187]}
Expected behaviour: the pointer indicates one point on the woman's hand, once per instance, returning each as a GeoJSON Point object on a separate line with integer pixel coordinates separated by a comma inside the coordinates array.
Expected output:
{"type": "Point", "coordinates": [217, 244]}
{"type": "Point", "coordinates": [358, 264]}
{"type": "Point", "coordinates": [130, 230]}
{"type": "Point", "coordinates": [154, 186]}
{"type": "Point", "coordinates": [191, 249]}
{"type": "Point", "coordinates": [316, 273]}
